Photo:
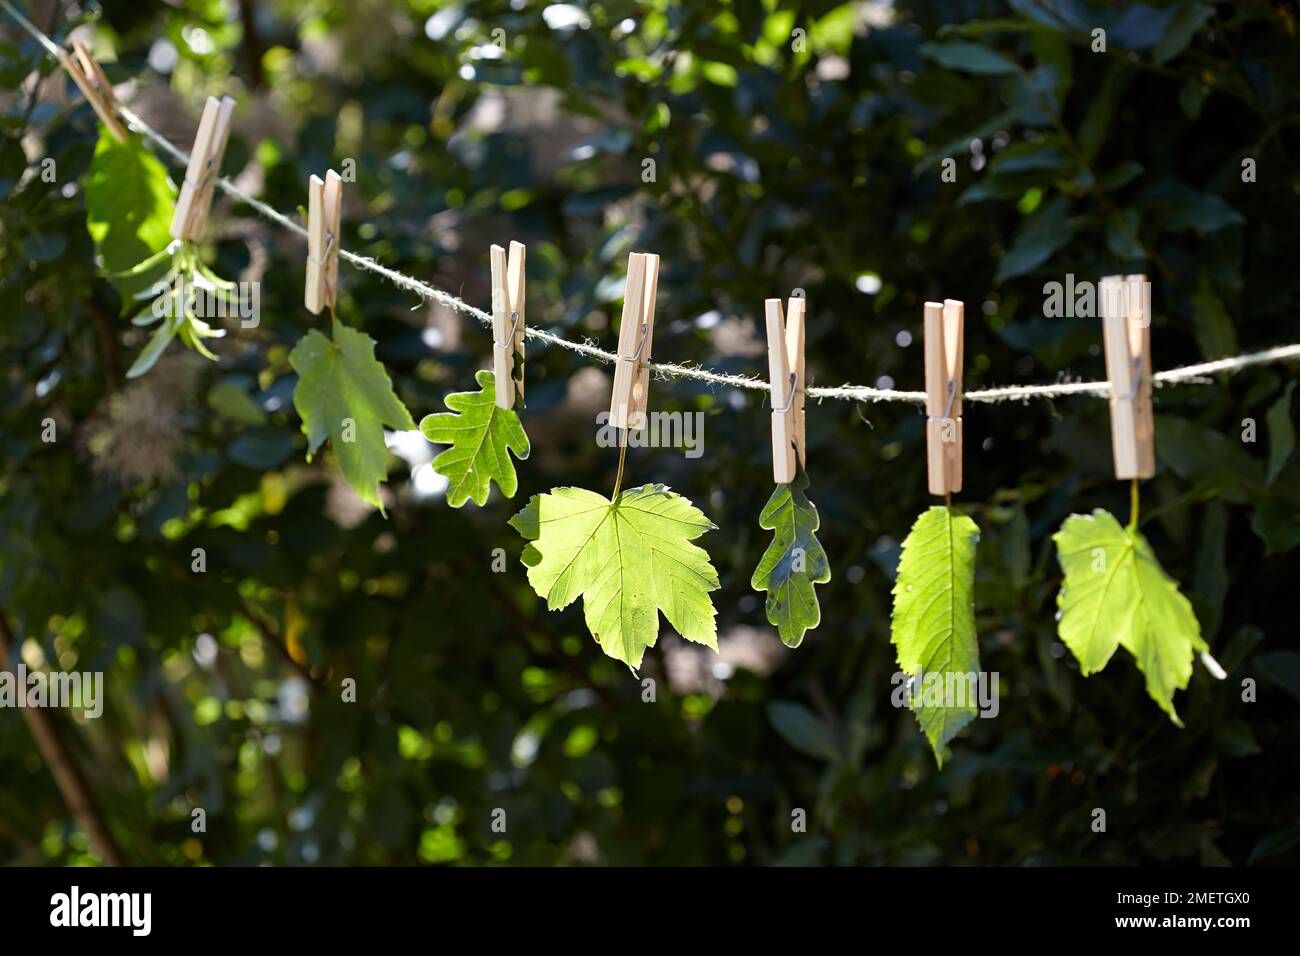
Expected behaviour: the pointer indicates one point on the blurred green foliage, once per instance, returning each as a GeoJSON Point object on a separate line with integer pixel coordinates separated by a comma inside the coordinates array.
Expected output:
{"type": "Point", "coordinates": [793, 145]}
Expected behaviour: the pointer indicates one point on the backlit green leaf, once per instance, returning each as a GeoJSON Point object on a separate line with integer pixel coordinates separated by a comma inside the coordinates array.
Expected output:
{"type": "Point", "coordinates": [345, 395]}
{"type": "Point", "coordinates": [1116, 594]}
{"type": "Point", "coordinates": [129, 203]}
{"type": "Point", "coordinates": [482, 437]}
{"type": "Point", "coordinates": [628, 559]}
{"type": "Point", "coordinates": [934, 621]}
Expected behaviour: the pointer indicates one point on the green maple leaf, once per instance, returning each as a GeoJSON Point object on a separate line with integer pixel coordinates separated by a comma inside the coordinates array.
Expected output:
{"type": "Point", "coordinates": [793, 562]}
{"type": "Point", "coordinates": [345, 395]}
{"type": "Point", "coordinates": [934, 620]}
{"type": "Point", "coordinates": [1116, 594]}
{"type": "Point", "coordinates": [481, 436]}
{"type": "Point", "coordinates": [629, 559]}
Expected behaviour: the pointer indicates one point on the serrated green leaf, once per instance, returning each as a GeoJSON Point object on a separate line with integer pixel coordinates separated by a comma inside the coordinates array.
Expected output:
{"type": "Point", "coordinates": [340, 381]}
{"type": "Point", "coordinates": [1115, 594]}
{"type": "Point", "coordinates": [481, 436]}
{"type": "Point", "coordinates": [792, 563]}
{"type": "Point", "coordinates": [628, 559]}
{"type": "Point", "coordinates": [934, 620]}
{"type": "Point", "coordinates": [129, 203]}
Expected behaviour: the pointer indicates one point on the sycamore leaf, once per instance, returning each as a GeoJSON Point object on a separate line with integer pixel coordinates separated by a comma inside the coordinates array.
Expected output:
{"type": "Point", "coordinates": [934, 623]}
{"type": "Point", "coordinates": [345, 395]}
{"type": "Point", "coordinates": [793, 562]}
{"type": "Point", "coordinates": [481, 436]}
{"type": "Point", "coordinates": [129, 202]}
{"type": "Point", "coordinates": [628, 559]}
{"type": "Point", "coordinates": [1115, 594]}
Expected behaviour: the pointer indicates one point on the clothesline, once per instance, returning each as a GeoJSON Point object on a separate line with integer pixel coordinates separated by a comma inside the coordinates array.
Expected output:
{"type": "Point", "coordinates": [1187, 374]}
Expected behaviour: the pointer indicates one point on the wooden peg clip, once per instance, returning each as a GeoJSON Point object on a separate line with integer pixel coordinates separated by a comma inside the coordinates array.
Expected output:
{"type": "Point", "coordinates": [1126, 329]}
{"type": "Point", "coordinates": [785, 338]}
{"type": "Point", "coordinates": [324, 220]}
{"type": "Point", "coordinates": [635, 335]}
{"type": "Point", "coordinates": [192, 206]}
{"type": "Point", "coordinates": [94, 86]}
{"type": "Point", "coordinates": [944, 347]}
{"type": "Point", "coordinates": [508, 326]}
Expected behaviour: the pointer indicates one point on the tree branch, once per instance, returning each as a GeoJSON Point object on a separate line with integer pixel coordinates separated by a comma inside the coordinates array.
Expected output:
{"type": "Point", "coordinates": [68, 775]}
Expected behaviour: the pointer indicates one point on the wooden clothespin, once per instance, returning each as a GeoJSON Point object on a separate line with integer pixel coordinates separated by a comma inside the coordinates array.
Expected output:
{"type": "Point", "coordinates": [944, 347]}
{"type": "Point", "coordinates": [94, 86]}
{"type": "Point", "coordinates": [635, 334]}
{"type": "Point", "coordinates": [1126, 328]}
{"type": "Point", "coordinates": [324, 220]}
{"type": "Point", "coordinates": [785, 339]}
{"type": "Point", "coordinates": [191, 215]}
{"type": "Point", "coordinates": [508, 326]}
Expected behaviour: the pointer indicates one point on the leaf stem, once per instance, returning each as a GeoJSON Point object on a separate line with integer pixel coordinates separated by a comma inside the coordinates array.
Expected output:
{"type": "Point", "coordinates": [622, 457]}
{"type": "Point", "coordinates": [1133, 505]}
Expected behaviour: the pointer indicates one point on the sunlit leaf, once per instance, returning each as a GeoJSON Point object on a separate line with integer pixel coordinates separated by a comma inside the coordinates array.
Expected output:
{"type": "Point", "coordinates": [345, 395]}
{"type": "Point", "coordinates": [628, 559]}
{"type": "Point", "coordinates": [482, 437]}
{"type": "Point", "coordinates": [1115, 594]}
{"type": "Point", "coordinates": [129, 202]}
{"type": "Point", "coordinates": [934, 620]}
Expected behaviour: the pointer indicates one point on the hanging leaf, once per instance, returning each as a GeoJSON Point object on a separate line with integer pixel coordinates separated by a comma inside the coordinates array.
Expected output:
{"type": "Point", "coordinates": [155, 347]}
{"type": "Point", "coordinates": [481, 436]}
{"type": "Point", "coordinates": [129, 202]}
{"type": "Point", "coordinates": [934, 623]}
{"type": "Point", "coordinates": [793, 562]}
{"type": "Point", "coordinates": [628, 559]}
{"type": "Point", "coordinates": [176, 311]}
{"type": "Point", "coordinates": [345, 395]}
{"type": "Point", "coordinates": [1116, 594]}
